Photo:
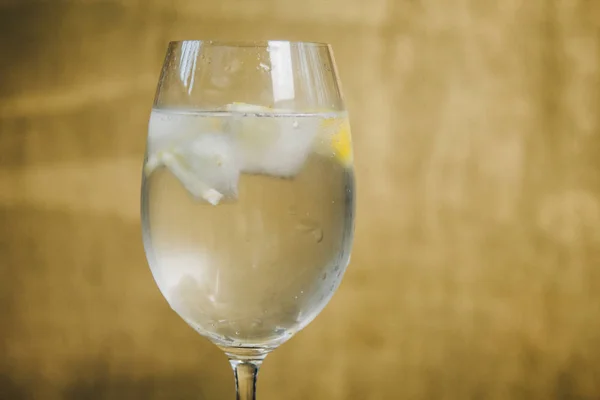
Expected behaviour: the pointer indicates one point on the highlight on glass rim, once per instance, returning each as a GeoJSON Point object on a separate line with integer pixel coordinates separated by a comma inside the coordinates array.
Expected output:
{"type": "Point", "coordinates": [248, 192]}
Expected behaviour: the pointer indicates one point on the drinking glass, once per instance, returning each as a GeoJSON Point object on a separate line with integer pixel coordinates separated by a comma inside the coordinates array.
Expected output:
{"type": "Point", "coordinates": [248, 192]}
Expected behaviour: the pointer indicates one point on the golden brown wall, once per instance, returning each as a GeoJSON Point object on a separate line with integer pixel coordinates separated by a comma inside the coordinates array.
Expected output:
{"type": "Point", "coordinates": [476, 270]}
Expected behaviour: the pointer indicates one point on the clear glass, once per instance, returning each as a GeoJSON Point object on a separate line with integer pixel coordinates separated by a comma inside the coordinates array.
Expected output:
{"type": "Point", "coordinates": [248, 192]}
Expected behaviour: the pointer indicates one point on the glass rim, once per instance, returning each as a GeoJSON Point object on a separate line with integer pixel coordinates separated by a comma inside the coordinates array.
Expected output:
{"type": "Point", "coordinates": [247, 43]}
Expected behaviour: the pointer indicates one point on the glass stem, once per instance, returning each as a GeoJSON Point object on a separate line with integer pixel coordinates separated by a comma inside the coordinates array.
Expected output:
{"type": "Point", "coordinates": [246, 372]}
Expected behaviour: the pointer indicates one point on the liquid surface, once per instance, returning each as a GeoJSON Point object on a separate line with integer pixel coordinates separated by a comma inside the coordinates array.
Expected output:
{"type": "Point", "coordinates": [247, 219]}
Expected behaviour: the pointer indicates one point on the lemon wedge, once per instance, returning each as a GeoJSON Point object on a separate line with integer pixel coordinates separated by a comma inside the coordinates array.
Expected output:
{"type": "Point", "coordinates": [336, 140]}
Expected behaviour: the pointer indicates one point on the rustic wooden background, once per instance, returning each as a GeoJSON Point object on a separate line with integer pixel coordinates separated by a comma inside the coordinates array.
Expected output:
{"type": "Point", "coordinates": [476, 268]}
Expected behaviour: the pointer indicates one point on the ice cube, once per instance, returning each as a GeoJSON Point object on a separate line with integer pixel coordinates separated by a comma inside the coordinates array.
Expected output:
{"type": "Point", "coordinates": [168, 130]}
{"type": "Point", "coordinates": [205, 166]}
{"type": "Point", "coordinates": [271, 143]}
{"type": "Point", "coordinates": [193, 183]}
{"type": "Point", "coordinates": [200, 158]}
{"type": "Point", "coordinates": [211, 158]}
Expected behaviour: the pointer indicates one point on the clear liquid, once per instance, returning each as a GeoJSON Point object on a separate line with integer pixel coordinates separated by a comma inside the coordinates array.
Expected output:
{"type": "Point", "coordinates": [259, 266]}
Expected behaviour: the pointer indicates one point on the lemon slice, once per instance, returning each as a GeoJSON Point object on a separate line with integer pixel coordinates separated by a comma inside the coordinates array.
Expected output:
{"type": "Point", "coordinates": [336, 140]}
{"type": "Point", "coordinates": [341, 142]}
{"type": "Point", "coordinates": [246, 107]}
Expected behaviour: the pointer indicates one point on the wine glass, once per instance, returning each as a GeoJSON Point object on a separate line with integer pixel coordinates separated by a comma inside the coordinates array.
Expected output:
{"type": "Point", "coordinates": [248, 192]}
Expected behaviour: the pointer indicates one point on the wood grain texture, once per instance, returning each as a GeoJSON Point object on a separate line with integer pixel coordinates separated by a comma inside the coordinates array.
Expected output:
{"type": "Point", "coordinates": [476, 270]}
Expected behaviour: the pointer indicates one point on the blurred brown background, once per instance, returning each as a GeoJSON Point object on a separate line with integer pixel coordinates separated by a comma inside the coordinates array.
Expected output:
{"type": "Point", "coordinates": [476, 268]}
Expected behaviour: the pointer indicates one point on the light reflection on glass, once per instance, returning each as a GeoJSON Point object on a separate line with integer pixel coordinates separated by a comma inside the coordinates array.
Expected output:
{"type": "Point", "coordinates": [187, 64]}
{"type": "Point", "coordinates": [281, 71]}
